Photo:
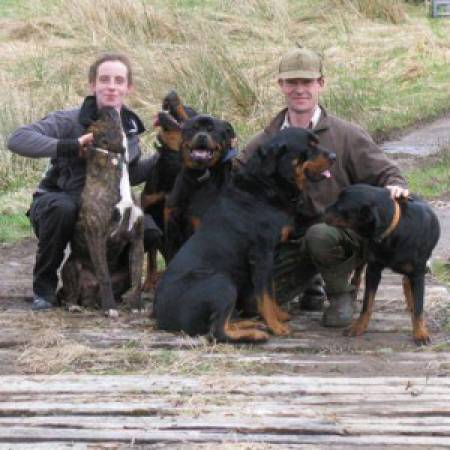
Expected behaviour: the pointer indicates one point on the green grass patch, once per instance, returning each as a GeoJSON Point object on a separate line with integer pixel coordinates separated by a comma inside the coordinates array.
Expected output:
{"type": "Point", "coordinates": [14, 228]}
{"type": "Point", "coordinates": [441, 270]}
{"type": "Point", "coordinates": [16, 9]}
{"type": "Point", "coordinates": [432, 181]}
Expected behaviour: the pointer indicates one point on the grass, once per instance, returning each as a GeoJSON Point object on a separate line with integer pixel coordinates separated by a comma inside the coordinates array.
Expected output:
{"type": "Point", "coordinates": [441, 270]}
{"type": "Point", "coordinates": [432, 180]}
{"type": "Point", "coordinates": [385, 61]}
{"type": "Point", "coordinates": [14, 227]}
{"type": "Point", "coordinates": [385, 66]}
{"type": "Point", "coordinates": [14, 224]}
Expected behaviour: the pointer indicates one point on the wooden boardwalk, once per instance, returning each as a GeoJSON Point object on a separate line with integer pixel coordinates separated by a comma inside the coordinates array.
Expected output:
{"type": "Point", "coordinates": [81, 381]}
{"type": "Point", "coordinates": [276, 410]}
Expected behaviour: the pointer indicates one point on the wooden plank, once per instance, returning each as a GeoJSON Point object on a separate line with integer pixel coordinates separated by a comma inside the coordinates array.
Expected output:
{"type": "Point", "coordinates": [276, 384]}
{"type": "Point", "coordinates": [248, 407]}
{"type": "Point", "coordinates": [21, 434]}
{"type": "Point", "coordinates": [238, 423]}
{"type": "Point", "coordinates": [20, 401]}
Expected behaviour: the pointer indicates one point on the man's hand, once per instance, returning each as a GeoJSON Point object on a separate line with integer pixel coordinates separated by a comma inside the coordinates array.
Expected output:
{"type": "Point", "coordinates": [398, 192]}
{"type": "Point", "coordinates": [85, 140]}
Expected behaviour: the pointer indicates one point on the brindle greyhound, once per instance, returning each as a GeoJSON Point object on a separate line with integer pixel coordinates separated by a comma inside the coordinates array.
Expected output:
{"type": "Point", "coordinates": [107, 247]}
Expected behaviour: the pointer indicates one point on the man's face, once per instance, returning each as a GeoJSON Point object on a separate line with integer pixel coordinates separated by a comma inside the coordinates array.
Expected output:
{"type": "Point", "coordinates": [111, 84]}
{"type": "Point", "coordinates": [302, 94]}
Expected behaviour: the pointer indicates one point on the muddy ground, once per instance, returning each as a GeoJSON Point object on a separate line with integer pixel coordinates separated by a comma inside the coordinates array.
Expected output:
{"type": "Point", "coordinates": [63, 342]}
{"type": "Point", "coordinates": [55, 342]}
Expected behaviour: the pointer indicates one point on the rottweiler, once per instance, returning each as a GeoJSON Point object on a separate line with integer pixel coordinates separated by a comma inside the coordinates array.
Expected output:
{"type": "Point", "coordinates": [162, 178]}
{"type": "Point", "coordinates": [401, 235]}
{"type": "Point", "coordinates": [106, 249]}
{"type": "Point", "coordinates": [228, 261]}
{"type": "Point", "coordinates": [207, 152]}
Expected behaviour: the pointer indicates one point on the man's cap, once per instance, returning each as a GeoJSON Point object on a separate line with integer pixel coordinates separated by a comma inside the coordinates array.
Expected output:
{"type": "Point", "coordinates": [300, 63]}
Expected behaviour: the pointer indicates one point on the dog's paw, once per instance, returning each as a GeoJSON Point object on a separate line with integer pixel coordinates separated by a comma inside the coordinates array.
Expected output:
{"type": "Point", "coordinates": [422, 339]}
{"type": "Point", "coordinates": [280, 329]}
{"type": "Point", "coordinates": [112, 313]}
{"type": "Point", "coordinates": [74, 308]}
{"type": "Point", "coordinates": [283, 316]}
{"type": "Point", "coordinates": [356, 328]}
{"type": "Point", "coordinates": [259, 336]}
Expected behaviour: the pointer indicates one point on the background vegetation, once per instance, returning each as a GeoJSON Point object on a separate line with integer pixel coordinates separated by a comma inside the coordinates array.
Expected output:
{"type": "Point", "coordinates": [386, 62]}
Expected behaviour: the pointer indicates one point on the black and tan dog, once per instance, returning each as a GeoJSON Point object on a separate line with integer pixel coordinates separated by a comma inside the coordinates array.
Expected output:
{"type": "Point", "coordinates": [106, 249]}
{"type": "Point", "coordinates": [401, 235]}
{"type": "Point", "coordinates": [207, 152]}
{"type": "Point", "coordinates": [162, 178]}
{"type": "Point", "coordinates": [228, 261]}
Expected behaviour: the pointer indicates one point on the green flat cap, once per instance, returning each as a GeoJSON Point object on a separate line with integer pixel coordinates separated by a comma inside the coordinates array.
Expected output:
{"type": "Point", "coordinates": [300, 63]}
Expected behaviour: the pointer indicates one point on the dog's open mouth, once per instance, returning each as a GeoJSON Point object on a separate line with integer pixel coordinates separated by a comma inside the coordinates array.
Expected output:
{"type": "Point", "coordinates": [201, 154]}
{"type": "Point", "coordinates": [317, 176]}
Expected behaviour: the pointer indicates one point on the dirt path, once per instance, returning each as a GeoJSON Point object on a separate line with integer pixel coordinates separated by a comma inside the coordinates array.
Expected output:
{"type": "Point", "coordinates": [421, 141]}
{"type": "Point", "coordinates": [84, 381]}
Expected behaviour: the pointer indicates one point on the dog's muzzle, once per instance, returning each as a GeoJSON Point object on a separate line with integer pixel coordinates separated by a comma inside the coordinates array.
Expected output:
{"type": "Point", "coordinates": [201, 148]}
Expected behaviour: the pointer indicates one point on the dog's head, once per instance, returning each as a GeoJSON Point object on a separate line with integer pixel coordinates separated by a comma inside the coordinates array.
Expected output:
{"type": "Point", "coordinates": [107, 131]}
{"type": "Point", "coordinates": [170, 120]}
{"type": "Point", "coordinates": [205, 141]}
{"type": "Point", "coordinates": [361, 208]}
{"type": "Point", "coordinates": [293, 156]}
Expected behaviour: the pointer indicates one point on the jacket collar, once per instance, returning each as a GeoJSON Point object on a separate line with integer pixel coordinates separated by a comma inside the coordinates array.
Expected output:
{"type": "Point", "coordinates": [278, 121]}
{"type": "Point", "coordinates": [131, 123]}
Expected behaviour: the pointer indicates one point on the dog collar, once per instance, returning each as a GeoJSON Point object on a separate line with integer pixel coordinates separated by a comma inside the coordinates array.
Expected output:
{"type": "Point", "coordinates": [116, 159]}
{"type": "Point", "coordinates": [394, 222]}
{"type": "Point", "coordinates": [232, 153]}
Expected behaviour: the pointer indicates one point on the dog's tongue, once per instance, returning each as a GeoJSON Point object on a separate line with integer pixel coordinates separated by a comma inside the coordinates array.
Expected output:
{"type": "Point", "coordinates": [326, 173]}
{"type": "Point", "coordinates": [156, 121]}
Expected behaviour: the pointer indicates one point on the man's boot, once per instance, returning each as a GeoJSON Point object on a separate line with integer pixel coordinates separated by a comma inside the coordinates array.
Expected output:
{"type": "Point", "coordinates": [314, 295]}
{"type": "Point", "coordinates": [340, 312]}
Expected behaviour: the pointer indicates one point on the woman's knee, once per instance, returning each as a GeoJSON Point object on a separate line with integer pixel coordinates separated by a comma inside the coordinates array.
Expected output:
{"type": "Point", "coordinates": [63, 210]}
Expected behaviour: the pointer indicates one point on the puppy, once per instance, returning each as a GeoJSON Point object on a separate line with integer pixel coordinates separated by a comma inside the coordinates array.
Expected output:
{"type": "Point", "coordinates": [228, 261]}
{"type": "Point", "coordinates": [400, 235]}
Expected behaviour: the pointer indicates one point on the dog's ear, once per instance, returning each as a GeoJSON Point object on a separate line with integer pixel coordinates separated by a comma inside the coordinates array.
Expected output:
{"type": "Point", "coordinates": [370, 220]}
{"type": "Point", "coordinates": [263, 161]}
{"type": "Point", "coordinates": [269, 156]}
{"type": "Point", "coordinates": [312, 137]}
{"type": "Point", "coordinates": [229, 134]}
{"type": "Point", "coordinates": [229, 130]}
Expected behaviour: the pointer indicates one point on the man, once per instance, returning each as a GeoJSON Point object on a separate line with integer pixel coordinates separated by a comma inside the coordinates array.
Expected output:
{"type": "Point", "coordinates": [62, 136]}
{"type": "Point", "coordinates": [333, 252]}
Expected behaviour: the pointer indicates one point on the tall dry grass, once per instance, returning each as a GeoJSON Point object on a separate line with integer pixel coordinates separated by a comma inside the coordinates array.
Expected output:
{"type": "Point", "coordinates": [391, 11]}
{"type": "Point", "coordinates": [221, 56]}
